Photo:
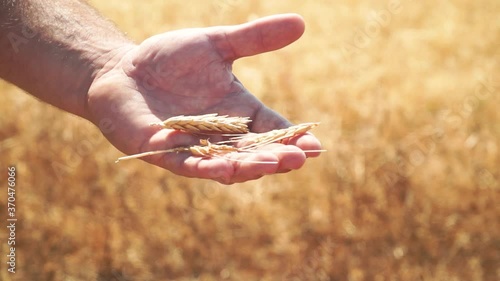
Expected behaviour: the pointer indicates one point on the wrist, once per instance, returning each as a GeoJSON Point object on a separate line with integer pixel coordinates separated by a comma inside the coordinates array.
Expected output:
{"type": "Point", "coordinates": [101, 63]}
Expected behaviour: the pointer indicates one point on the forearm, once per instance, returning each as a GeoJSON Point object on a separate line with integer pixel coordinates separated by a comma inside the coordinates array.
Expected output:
{"type": "Point", "coordinates": [53, 49]}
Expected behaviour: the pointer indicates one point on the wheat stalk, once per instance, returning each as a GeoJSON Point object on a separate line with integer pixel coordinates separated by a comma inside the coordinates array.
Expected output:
{"type": "Point", "coordinates": [205, 149]}
{"type": "Point", "coordinates": [208, 123]}
{"type": "Point", "coordinates": [214, 123]}
{"type": "Point", "coordinates": [208, 150]}
{"type": "Point", "coordinates": [253, 140]}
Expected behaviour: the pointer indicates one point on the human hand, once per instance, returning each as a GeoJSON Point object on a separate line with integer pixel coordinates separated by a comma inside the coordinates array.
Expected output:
{"type": "Point", "coordinates": [188, 72]}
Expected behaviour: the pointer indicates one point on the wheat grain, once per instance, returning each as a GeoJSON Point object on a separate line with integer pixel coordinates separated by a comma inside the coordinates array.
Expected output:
{"type": "Point", "coordinates": [209, 123]}
{"type": "Point", "coordinates": [207, 149]}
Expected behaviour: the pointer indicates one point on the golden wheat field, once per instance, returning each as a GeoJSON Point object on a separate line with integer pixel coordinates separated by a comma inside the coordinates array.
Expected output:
{"type": "Point", "coordinates": [408, 96]}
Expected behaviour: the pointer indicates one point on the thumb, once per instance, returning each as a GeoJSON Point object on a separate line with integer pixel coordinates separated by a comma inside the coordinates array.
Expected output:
{"type": "Point", "coordinates": [259, 36]}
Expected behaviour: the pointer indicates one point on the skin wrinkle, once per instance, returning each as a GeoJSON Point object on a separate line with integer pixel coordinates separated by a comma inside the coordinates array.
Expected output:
{"type": "Point", "coordinates": [225, 174]}
{"type": "Point", "coordinates": [221, 36]}
{"type": "Point", "coordinates": [101, 72]}
{"type": "Point", "coordinates": [214, 78]}
{"type": "Point", "coordinates": [266, 156]}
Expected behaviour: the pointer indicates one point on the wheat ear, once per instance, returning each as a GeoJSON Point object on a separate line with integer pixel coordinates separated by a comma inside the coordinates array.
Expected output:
{"type": "Point", "coordinates": [253, 141]}
{"type": "Point", "coordinates": [209, 123]}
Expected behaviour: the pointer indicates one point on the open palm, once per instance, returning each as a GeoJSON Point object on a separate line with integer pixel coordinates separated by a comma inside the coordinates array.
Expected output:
{"type": "Point", "coordinates": [188, 72]}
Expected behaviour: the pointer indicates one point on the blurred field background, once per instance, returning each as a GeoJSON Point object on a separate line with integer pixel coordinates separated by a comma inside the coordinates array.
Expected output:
{"type": "Point", "coordinates": [407, 93]}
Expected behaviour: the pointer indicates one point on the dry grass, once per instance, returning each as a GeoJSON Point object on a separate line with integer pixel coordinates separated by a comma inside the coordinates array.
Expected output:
{"type": "Point", "coordinates": [408, 189]}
